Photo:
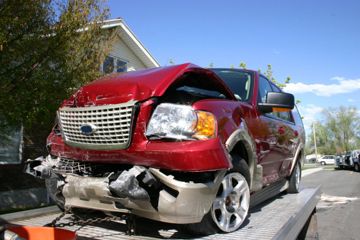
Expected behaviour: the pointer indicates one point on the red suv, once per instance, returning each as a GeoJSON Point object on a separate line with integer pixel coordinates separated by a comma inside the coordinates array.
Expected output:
{"type": "Point", "coordinates": [179, 144]}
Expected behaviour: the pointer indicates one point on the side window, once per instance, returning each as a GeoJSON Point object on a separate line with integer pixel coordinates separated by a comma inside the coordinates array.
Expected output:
{"type": "Point", "coordinates": [264, 88]}
{"type": "Point", "coordinates": [282, 115]}
{"type": "Point", "coordinates": [296, 116]}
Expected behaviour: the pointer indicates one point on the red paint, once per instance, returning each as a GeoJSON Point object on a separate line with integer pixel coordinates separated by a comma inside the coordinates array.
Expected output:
{"type": "Point", "coordinates": [138, 85]}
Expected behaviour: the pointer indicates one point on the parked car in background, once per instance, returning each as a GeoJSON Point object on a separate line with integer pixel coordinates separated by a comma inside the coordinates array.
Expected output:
{"type": "Point", "coordinates": [179, 144]}
{"type": "Point", "coordinates": [327, 159]}
{"type": "Point", "coordinates": [349, 160]}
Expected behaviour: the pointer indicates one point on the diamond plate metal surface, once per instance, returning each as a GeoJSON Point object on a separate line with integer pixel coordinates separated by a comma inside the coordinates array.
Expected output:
{"type": "Point", "coordinates": [281, 217]}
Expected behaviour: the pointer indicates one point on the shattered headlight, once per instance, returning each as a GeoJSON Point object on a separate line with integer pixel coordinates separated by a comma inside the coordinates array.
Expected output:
{"type": "Point", "coordinates": [181, 122]}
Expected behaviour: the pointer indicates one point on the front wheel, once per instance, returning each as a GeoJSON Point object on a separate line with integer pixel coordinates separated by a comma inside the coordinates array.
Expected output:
{"type": "Point", "coordinates": [231, 205]}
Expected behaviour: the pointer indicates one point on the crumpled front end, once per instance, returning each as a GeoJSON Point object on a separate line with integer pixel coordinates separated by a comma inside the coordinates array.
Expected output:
{"type": "Point", "coordinates": [173, 197]}
{"type": "Point", "coordinates": [110, 121]}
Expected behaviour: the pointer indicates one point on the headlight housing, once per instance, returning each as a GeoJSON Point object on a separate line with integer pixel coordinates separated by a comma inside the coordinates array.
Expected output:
{"type": "Point", "coordinates": [181, 122]}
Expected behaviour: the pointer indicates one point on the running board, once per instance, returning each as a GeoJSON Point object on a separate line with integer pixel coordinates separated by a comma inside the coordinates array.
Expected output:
{"type": "Point", "coordinates": [268, 192]}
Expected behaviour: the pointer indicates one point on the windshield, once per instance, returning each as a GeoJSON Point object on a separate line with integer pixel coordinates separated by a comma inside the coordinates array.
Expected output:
{"type": "Point", "coordinates": [240, 82]}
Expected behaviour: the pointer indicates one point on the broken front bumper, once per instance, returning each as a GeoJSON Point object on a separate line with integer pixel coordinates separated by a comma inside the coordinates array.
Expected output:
{"type": "Point", "coordinates": [177, 201]}
{"type": "Point", "coordinates": [191, 203]}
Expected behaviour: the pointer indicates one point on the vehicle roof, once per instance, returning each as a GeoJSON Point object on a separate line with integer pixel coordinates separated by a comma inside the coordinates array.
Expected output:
{"type": "Point", "coordinates": [235, 69]}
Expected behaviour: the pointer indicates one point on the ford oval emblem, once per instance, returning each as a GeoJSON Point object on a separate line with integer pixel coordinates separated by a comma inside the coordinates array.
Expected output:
{"type": "Point", "coordinates": [88, 129]}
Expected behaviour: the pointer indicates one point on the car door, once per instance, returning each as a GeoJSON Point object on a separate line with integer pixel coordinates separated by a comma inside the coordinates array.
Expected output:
{"type": "Point", "coordinates": [275, 146]}
{"type": "Point", "coordinates": [288, 136]}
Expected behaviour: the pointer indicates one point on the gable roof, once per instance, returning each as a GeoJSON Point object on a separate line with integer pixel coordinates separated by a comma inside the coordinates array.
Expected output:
{"type": "Point", "coordinates": [132, 41]}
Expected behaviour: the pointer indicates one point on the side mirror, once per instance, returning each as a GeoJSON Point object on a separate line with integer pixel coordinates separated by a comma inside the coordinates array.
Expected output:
{"type": "Point", "coordinates": [277, 102]}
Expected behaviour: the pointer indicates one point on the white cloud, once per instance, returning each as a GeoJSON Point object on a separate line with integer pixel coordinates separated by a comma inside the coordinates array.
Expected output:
{"type": "Point", "coordinates": [343, 85]}
{"type": "Point", "coordinates": [310, 114]}
{"type": "Point", "coordinates": [350, 100]}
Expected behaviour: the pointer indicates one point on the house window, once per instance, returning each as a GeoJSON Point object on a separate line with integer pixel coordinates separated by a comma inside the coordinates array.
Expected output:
{"type": "Point", "coordinates": [114, 64]}
{"type": "Point", "coordinates": [108, 66]}
{"type": "Point", "coordinates": [121, 66]}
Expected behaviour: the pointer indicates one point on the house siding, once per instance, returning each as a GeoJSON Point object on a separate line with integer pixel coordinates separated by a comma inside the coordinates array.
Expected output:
{"type": "Point", "coordinates": [122, 51]}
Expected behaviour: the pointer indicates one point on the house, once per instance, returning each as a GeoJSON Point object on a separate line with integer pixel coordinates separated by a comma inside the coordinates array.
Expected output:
{"type": "Point", "coordinates": [126, 53]}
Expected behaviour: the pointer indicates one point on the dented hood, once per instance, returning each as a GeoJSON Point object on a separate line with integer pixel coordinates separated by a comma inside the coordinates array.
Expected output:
{"type": "Point", "coordinates": [137, 85]}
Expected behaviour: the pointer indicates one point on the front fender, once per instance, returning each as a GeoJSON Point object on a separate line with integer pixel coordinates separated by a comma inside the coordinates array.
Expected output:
{"type": "Point", "coordinates": [241, 135]}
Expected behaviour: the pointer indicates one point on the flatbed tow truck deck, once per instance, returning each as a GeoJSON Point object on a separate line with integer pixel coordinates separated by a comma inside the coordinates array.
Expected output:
{"type": "Point", "coordinates": [285, 216]}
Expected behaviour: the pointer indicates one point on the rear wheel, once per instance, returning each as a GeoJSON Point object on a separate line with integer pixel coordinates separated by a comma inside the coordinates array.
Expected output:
{"type": "Point", "coordinates": [357, 167]}
{"type": "Point", "coordinates": [294, 181]}
{"type": "Point", "coordinates": [231, 205]}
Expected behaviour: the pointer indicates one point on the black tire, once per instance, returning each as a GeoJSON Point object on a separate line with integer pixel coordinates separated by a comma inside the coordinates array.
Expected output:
{"type": "Point", "coordinates": [207, 225]}
{"type": "Point", "coordinates": [54, 191]}
{"type": "Point", "coordinates": [356, 167]}
{"type": "Point", "coordinates": [294, 180]}
{"type": "Point", "coordinates": [322, 163]}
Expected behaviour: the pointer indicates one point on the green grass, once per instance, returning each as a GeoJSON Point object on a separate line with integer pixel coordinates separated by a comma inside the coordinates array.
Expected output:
{"type": "Point", "coordinates": [309, 165]}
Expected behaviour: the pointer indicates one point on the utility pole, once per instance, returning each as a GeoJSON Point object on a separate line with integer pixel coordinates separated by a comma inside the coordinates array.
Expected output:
{"type": "Point", "coordinates": [314, 132]}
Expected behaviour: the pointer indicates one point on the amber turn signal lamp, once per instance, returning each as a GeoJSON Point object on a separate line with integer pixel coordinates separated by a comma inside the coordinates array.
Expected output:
{"type": "Point", "coordinates": [206, 125]}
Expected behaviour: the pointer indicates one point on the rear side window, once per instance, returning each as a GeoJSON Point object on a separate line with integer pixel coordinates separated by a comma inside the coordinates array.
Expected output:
{"type": "Point", "coordinates": [296, 116]}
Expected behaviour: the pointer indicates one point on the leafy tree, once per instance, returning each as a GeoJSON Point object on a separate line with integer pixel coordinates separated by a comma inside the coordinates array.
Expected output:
{"type": "Point", "coordinates": [343, 126]}
{"type": "Point", "coordinates": [269, 74]}
{"type": "Point", "coordinates": [48, 48]}
{"type": "Point", "coordinates": [339, 132]}
{"type": "Point", "coordinates": [171, 61]}
{"type": "Point", "coordinates": [323, 140]}
{"type": "Point", "coordinates": [242, 65]}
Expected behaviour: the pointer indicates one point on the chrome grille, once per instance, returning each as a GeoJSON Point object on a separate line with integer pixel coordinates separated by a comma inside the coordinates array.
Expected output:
{"type": "Point", "coordinates": [111, 123]}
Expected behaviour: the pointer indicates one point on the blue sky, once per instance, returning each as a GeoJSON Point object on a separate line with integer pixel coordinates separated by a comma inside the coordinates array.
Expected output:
{"type": "Point", "coordinates": [316, 43]}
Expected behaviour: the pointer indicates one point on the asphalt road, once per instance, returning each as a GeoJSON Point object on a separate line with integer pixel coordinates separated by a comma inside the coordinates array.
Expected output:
{"type": "Point", "coordinates": [338, 211]}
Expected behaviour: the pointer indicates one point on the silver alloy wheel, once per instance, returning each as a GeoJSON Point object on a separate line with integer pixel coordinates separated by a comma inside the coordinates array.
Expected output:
{"type": "Point", "coordinates": [231, 205]}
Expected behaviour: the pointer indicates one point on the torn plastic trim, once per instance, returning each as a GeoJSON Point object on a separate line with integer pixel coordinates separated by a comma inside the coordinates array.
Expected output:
{"type": "Point", "coordinates": [127, 186]}
{"type": "Point", "coordinates": [189, 205]}
{"type": "Point", "coordinates": [41, 167]}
